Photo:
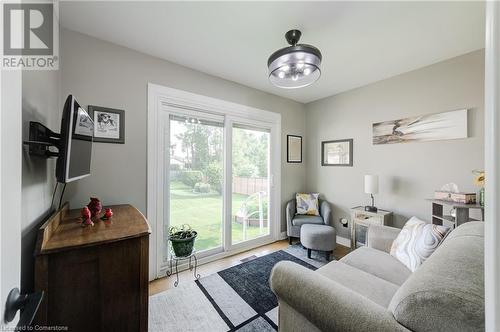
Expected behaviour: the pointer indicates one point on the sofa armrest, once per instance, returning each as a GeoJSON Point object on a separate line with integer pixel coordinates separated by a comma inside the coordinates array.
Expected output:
{"type": "Point", "coordinates": [381, 237]}
{"type": "Point", "coordinates": [325, 211]}
{"type": "Point", "coordinates": [327, 304]}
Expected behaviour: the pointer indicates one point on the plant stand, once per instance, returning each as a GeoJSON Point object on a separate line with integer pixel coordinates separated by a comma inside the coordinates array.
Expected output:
{"type": "Point", "coordinates": [192, 261]}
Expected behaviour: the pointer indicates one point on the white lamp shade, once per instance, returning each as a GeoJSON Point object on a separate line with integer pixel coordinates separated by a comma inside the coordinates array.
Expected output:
{"type": "Point", "coordinates": [371, 184]}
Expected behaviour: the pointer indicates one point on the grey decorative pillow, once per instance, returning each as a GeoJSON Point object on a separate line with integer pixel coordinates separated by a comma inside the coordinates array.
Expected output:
{"type": "Point", "coordinates": [416, 242]}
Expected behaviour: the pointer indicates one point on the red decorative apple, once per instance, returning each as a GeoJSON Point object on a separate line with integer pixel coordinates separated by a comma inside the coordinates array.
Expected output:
{"type": "Point", "coordinates": [85, 214]}
{"type": "Point", "coordinates": [95, 206]}
{"type": "Point", "coordinates": [108, 213]}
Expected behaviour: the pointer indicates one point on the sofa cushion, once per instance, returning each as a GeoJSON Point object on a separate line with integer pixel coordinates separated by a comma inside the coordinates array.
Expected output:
{"type": "Point", "coordinates": [300, 220]}
{"type": "Point", "coordinates": [378, 263]}
{"type": "Point", "coordinates": [375, 289]}
{"type": "Point", "coordinates": [446, 293]}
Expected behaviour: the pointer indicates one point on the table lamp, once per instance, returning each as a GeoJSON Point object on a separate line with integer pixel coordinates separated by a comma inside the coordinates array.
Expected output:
{"type": "Point", "coordinates": [371, 187]}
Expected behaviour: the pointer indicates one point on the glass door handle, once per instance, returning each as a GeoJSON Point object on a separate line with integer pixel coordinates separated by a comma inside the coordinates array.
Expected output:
{"type": "Point", "coordinates": [27, 303]}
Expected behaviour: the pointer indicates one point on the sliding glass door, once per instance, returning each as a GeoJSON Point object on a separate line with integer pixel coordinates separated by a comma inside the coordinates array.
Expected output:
{"type": "Point", "coordinates": [217, 180]}
{"type": "Point", "coordinates": [196, 179]}
{"type": "Point", "coordinates": [250, 183]}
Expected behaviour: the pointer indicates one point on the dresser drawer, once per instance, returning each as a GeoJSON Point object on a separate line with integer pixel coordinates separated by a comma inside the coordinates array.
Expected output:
{"type": "Point", "coordinates": [372, 221]}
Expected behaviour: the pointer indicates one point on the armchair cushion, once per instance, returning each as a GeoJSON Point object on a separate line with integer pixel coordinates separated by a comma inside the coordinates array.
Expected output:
{"type": "Point", "coordinates": [301, 219]}
{"type": "Point", "coordinates": [387, 267]}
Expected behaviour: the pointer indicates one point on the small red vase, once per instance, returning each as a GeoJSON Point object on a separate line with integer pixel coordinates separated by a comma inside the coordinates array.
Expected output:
{"type": "Point", "coordinates": [85, 214]}
{"type": "Point", "coordinates": [108, 213]}
{"type": "Point", "coordinates": [94, 206]}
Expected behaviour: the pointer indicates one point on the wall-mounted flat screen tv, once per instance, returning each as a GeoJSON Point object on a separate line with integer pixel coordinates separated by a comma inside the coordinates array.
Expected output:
{"type": "Point", "coordinates": [75, 147]}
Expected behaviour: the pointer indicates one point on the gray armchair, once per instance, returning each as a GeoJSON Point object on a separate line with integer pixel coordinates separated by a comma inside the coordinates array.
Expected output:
{"type": "Point", "coordinates": [295, 221]}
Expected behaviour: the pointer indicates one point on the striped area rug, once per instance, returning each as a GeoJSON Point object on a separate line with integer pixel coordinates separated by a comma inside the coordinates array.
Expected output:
{"type": "Point", "coordinates": [235, 299]}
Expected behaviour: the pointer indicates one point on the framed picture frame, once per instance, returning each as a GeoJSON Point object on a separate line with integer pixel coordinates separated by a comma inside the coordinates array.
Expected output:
{"type": "Point", "coordinates": [423, 128]}
{"type": "Point", "coordinates": [337, 152]}
{"type": "Point", "coordinates": [294, 149]}
{"type": "Point", "coordinates": [109, 124]}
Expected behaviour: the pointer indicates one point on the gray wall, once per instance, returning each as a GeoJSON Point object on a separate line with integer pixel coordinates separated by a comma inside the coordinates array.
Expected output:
{"type": "Point", "coordinates": [105, 74]}
{"type": "Point", "coordinates": [102, 73]}
{"type": "Point", "coordinates": [41, 102]}
{"type": "Point", "coordinates": [409, 172]}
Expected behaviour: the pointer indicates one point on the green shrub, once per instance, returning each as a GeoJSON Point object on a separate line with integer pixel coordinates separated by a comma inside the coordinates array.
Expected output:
{"type": "Point", "coordinates": [201, 187]}
{"type": "Point", "coordinates": [214, 176]}
{"type": "Point", "coordinates": [175, 167]}
{"type": "Point", "coordinates": [246, 170]}
{"type": "Point", "coordinates": [253, 206]}
{"type": "Point", "coordinates": [190, 178]}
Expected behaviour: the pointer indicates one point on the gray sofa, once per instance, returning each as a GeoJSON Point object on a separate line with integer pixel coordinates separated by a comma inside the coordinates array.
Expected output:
{"type": "Point", "coordinates": [295, 221]}
{"type": "Point", "coordinates": [369, 290]}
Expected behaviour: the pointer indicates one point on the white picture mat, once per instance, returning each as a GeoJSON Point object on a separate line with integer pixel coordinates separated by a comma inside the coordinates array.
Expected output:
{"type": "Point", "coordinates": [294, 148]}
{"type": "Point", "coordinates": [337, 153]}
{"type": "Point", "coordinates": [107, 124]}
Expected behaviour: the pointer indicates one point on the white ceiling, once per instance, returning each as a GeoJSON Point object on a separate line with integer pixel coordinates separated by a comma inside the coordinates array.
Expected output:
{"type": "Point", "coordinates": [361, 42]}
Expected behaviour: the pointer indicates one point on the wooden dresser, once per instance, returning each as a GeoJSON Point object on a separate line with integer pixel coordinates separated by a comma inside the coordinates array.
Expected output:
{"type": "Point", "coordinates": [94, 278]}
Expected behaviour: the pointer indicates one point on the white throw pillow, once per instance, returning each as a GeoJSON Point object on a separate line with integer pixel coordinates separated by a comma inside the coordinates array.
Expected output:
{"type": "Point", "coordinates": [416, 242]}
{"type": "Point", "coordinates": [307, 204]}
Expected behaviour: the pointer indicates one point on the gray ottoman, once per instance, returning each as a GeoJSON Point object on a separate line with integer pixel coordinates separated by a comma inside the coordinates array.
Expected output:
{"type": "Point", "coordinates": [318, 237]}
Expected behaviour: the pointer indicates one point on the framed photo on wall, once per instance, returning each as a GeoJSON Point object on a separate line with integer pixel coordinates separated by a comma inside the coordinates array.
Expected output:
{"type": "Point", "coordinates": [337, 153]}
{"type": "Point", "coordinates": [293, 149]}
{"type": "Point", "coordinates": [109, 124]}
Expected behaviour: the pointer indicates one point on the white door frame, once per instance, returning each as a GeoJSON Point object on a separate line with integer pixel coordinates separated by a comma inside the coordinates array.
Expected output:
{"type": "Point", "coordinates": [160, 97]}
{"type": "Point", "coordinates": [492, 167]}
{"type": "Point", "coordinates": [10, 183]}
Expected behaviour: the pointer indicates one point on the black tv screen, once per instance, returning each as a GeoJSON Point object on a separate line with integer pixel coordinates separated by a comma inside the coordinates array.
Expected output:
{"type": "Point", "coordinates": [75, 148]}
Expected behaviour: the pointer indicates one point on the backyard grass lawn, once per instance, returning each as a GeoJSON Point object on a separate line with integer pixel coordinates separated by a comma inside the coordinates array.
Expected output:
{"type": "Point", "coordinates": [204, 213]}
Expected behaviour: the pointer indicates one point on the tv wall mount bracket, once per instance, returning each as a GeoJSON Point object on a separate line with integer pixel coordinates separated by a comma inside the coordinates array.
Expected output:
{"type": "Point", "coordinates": [41, 139]}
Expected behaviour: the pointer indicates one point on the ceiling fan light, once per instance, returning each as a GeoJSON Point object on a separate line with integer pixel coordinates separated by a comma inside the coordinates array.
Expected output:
{"type": "Point", "coordinates": [295, 66]}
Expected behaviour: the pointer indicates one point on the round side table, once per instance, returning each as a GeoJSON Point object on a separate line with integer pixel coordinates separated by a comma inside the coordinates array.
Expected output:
{"type": "Point", "coordinates": [192, 261]}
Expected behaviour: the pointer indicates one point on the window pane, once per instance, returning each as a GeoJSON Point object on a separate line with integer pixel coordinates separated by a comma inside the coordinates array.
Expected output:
{"type": "Point", "coordinates": [250, 183]}
{"type": "Point", "coordinates": [196, 178]}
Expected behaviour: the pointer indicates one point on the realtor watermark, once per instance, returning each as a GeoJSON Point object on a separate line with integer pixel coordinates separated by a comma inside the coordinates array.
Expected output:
{"type": "Point", "coordinates": [30, 36]}
{"type": "Point", "coordinates": [34, 328]}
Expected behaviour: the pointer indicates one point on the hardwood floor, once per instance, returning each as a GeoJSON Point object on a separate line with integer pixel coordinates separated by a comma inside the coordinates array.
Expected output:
{"type": "Point", "coordinates": [162, 284]}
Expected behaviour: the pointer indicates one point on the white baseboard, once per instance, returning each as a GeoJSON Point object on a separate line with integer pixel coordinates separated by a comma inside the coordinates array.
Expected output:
{"type": "Point", "coordinates": [343, 241]}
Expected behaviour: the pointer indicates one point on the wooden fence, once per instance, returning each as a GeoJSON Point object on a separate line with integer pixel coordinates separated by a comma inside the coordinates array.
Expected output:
{"type": "Point", "coordinates": [248, 186]}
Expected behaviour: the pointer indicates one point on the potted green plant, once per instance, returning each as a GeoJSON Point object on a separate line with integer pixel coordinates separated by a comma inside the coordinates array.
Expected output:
{"type": "Point", "coordinates": [182, 239]}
